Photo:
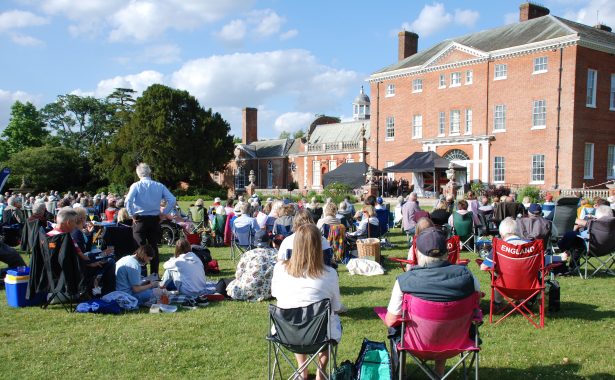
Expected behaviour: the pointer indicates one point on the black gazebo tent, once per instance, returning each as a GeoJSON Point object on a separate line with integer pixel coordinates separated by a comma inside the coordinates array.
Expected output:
{"type": "Point", "coordinates": [425, 163]}
{"type": "Point", "coordinates": [350, 173]}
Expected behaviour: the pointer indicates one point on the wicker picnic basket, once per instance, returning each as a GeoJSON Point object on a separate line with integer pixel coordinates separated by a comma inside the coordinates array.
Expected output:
{"type": "Point", "coordinates": [369, 249]}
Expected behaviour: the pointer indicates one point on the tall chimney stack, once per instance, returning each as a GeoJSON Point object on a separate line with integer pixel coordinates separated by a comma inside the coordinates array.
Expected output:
{"type": "Point", "coordinates": [529, 10]}
{"type": "Point", "coordinates": [249, 125]}
{"type": "Point", "coordinates": [408, 44]}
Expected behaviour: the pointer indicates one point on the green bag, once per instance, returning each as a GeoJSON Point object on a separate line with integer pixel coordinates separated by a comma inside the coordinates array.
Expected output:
{"type": "Point", "coordinates": [344, 371]}
{"type": "Point", "coordinates": [374, 362]}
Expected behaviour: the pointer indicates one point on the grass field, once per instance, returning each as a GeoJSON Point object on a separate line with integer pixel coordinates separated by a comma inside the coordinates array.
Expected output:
{"type": "Point", "coordinates": [226, 339]}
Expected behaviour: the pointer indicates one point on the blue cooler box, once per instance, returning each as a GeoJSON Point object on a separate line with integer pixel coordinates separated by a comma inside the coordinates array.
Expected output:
{"type": "Point", "coordinates": [16, 284]}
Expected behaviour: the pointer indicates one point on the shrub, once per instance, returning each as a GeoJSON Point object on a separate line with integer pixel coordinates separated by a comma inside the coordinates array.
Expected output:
{"type": "Point", "coordinates": [529, 191]}
{"type": "Point", "coordinates": [337, 192]}
{"type": "Point", "coordinates": [478, 188]}
{"type": "Point", "coordinates": [498, 191]}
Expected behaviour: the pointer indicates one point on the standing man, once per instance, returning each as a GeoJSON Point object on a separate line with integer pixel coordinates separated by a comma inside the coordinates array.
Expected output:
{"type": "Point", "coordinates": [407, 212]}
{"type": "Point", "coordinates": [143, 205]}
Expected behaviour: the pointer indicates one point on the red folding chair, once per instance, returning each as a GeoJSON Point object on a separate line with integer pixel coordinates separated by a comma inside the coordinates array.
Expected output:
{"type": "Point", "coordinates": [519, 275]}
{"type": "Point", "coordinates": [440, 330]}
{"type": "Point", "coordinates": [454, 248]}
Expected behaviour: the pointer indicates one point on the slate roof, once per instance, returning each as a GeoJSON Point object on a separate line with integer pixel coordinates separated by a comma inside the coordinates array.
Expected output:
{"type": "Point", "coordinates": [522, 33]}
{"type": "Point", "coordinates": [268, 148]}
{"type": "Point", "coordinates": [338, 132]}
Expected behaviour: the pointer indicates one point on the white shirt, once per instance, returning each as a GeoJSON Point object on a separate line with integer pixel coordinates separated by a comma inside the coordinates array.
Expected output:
{"type": "Point", "coordinates": [261, 219]}
{"type": "Point", "coordinates": [287, 245]}
{"type": "Point", "coordinates": [294, 292]}
{"type": "Point", "coordinates": [191, 272]}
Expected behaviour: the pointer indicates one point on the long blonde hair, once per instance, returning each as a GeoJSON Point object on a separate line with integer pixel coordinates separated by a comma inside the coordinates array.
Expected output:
{"type": "Point", "coordinates": [307, 258]}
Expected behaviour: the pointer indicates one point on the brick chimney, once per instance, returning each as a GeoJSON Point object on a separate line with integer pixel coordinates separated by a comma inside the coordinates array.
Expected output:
{"type": "Point", "coordinates": [408, 44]}
{"type": "Point", "coordinates": [606, 28]}
{"type": "Point", "coordinates": [249, 125]}
{"type": "Point", "coordinates": [529, 10]}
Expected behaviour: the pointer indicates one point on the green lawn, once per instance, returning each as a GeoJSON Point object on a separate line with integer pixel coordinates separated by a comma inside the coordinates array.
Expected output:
{"type": "Point", "coordinates": [226, 340]}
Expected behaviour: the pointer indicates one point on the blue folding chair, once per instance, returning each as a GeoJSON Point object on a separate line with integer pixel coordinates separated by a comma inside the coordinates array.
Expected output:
{"type": "Point", "coordinates": [242, 240]}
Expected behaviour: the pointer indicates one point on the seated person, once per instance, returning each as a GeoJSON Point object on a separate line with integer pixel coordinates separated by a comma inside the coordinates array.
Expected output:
{"type": "Point", "coordinates": [10, 256]}
{"type": "Point", "coordinates": [573, 242]}
{"type": "Point", "coordinates": [344, 215]}
{"type": "Point", "coordinates": [421, 225]}
{"type": "Point", "coordinates": [175, 216]}
{"type": "Point", "coordinates": [244, 219]}
{"type": "Point", "coordinates": [433, 279]}
{"type": "Point", "coordinates": [286, 247]}
{"type": "Point", "coordinates": [283, 225]}
{"type": "Point", "coordinates": [123, 217]}
{"type": "Point", "coordinates": [440, 215]}
{"type": "Point", "coordinates": [39, 212]}
{"type": "Point", "coordinates": [12, 213]}
{"type": "Point", "coordinates": [397, 212]}
{"type": "Point", "coordinates": [484, 205]}
{"type": "Point", "coordinates": [368, 221]}
{"type": "Point", "coordinates": [111, 211]}
{"type": "Point", "coordinates": [184, 271]}
{"type": "Point", "coordinates": [304, 279]}
{"type": "Point", "coordinates": [263, 215]}
{"type": "Point", "coordinates": [328, 217]}
{"type": "Point", "coordinates": [128, 276]}
{"type": "Point", "coordinates": [548, 207]}
{"type": "Point", "coordinates": [380, 204]}
{"type": "Point", "coordinates": [535, 226]}
{"type": "Point", "coordinates": [254, 271]}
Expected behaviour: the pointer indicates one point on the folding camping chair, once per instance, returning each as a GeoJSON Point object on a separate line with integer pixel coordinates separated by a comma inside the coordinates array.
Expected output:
{"type": "Point", "coordinates": [384, 217]}
{"type": "Point", "coordinates": [242, 240]}
{"type": "Point", "coordinates": [302, 330]}
{"type": "Point", "coordinates": [453, 245]}
{"type": "Point", "coordinates": [519, 275]}
{"type": "Point", "coordinates": [564, 215]}
{"type": "Point", "coordinates": [61, 265]}
{"type": "Point", "coordinates": [121, 238]}
{"type": "Point", "coordinates": [197, 215]}
{"type": "Point", "coordinates": [464, 228]}
{"type": "Point", "coordinates": [440, 330]}
{"type": "Point", "coordinates": [504, 210]}
{"type": "Point", "coordinates": [599, 247]}
{"type": "Point", "coordinates": [29, 234]}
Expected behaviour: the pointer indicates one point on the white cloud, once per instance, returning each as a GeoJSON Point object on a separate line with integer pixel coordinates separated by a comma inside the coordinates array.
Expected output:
{"type": "Point", "coordinates": [511, 18]}
{"type": "Point", "coordinates": [587, 14]}
{"type": "Point", "coordinates": [234, 32]}
{"type": "Point", "coordinates": [141, 20]}
{"type": "Point", "coordinates": [434, 18]}
{"type": "Point", "coordinates": [138, 82]}
{"type": "Point", "coordinates": [25, 40]}
{"type": "Point", "coordinates": [7, 98]}
{"type": "Point", "coordinates": [289, 34]}
{"type": "Point", "coordinates": [19, 19]}
{"type": "Point", "coordinates": [240, 80]}
{"type": "Point", "coordinates": [267, 22]}
{"type": "Point", "coordinates": [293, 121]}
{"type": "Point", "coordinates": [466, 17]}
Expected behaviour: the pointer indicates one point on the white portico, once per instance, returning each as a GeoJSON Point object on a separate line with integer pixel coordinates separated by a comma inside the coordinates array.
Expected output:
{"type": "Point", "coordinates": [471, 152]}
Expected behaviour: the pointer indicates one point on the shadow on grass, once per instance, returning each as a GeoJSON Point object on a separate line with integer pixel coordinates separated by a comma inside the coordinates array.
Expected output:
{"type": "Point", "coordinates": [363, 313]}
{"type": "Point", "coordinates": [582, 311]}
{"type": "Point", "coordinates": [352, 290]}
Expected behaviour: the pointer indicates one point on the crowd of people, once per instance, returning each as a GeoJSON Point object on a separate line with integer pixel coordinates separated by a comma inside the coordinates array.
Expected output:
{"type": "Point", "coordinates": [291, 254]}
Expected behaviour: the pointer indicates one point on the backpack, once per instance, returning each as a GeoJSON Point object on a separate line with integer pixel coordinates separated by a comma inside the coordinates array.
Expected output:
{"type": "Point", "coordinates": [374, 362]}
{"type": "Point", "coordinates": [344, 371]}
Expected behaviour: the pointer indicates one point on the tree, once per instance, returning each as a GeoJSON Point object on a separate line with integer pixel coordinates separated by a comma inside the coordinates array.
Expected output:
{"type": "Point", "coordinates": [172, 133]}
{"type": "Point", "coordinates": [284, 135]}
{"type": "Point", "coordinates": [46, 167]}
{"type": "Point", "coordinates": [299, 134]}
{"type": "Point", "coordinates": [25, 129]}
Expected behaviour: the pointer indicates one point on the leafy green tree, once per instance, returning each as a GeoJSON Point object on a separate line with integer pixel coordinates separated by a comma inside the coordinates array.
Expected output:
{"type": "Point", "coordinates": [172, 132]}
{"type": "Point", "coordinates": [25, 129]}
{"type": "Point", "coordinates": [299, 134]}
{"type": "Point", "coordinates": [236, 140]}
{"type": "Point", "coordinates": [284, 135]}
{"type": "Point", "coordinates": [46, 167]}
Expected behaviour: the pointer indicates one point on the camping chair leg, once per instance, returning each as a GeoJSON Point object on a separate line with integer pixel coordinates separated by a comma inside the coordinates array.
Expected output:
{"type": "Point", "coordinates": [476, 365]}
{"type": "Point", "coordinates": [402, 364]}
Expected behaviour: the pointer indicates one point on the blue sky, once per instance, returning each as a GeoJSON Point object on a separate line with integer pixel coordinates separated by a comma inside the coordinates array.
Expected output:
{"type": "Point", "coordinates": [291, 59]}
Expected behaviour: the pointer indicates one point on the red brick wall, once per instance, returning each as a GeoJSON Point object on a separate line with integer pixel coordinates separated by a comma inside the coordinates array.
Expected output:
{"type": "Point", "coordinates": [324, 165]}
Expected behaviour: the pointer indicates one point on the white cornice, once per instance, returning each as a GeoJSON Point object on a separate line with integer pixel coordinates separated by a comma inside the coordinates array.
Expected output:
{"type": "Point", "coordinates": [452, 47]}
{"type": "Point", "coordinates": [457, 140]}
{"type": "Point", "coordinates": [514, 51]}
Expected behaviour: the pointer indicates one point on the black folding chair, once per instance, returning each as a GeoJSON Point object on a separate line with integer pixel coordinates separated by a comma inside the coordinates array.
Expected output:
{"type": "Point", "coordinates": [302, 330]}
{"type": "Point", "coordinates": [122, 240]}
{"type": "Point", "coordinates": [600, 248]}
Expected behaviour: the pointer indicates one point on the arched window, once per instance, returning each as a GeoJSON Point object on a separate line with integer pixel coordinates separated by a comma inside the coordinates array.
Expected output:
{"type": "Point", "coordinates": [456, 155]}
{"type": "Point", "coordinates": [269, 175]}
{"type": "Point", "coordinates": [240, 180]}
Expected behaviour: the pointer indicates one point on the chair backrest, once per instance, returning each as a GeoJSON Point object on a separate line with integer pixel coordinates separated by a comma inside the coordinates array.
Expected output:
{"type": "Point", "coordinates": [243, 235]}
{"type": "Point", "coordinates": [122, 240]}
{"type": "Point", "coordinates": [29, 234]}
{"type": "Point", "coordinates": [565, 214]}
{"type": "Point", "coordinates": [463, 224]}
{"type": "Point", "coordinates": [373, 230]}
{"type": "Point", "coordinates": [602, 236]}
{"type": "Point", "coordinates": [534, 228]}
{"type": "Point", "coordinates": [283, 226]}
{"type": "Point", "coordinates": [517, 267]}
{"type": "Point", "coordinates": [269, 224]}
{"type": "Point", "coordinates": [63, 270]}
{"type": "Point", "coordinates": [302, 329]}
{"type": "Point", "coordinates": [438, 329]}
{"type": "Point", "coordinates": [383, 216]}
{"type": "Point", "coordinates": [504, 210]}
{"type": "Point", "coordinates": [453, 244]}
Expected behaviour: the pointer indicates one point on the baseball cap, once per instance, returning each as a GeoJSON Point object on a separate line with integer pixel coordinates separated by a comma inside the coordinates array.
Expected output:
{"type": "Point", "coordinates": [534, 208]}
{"type": "Point", "coordinates": [431, 242]}
{"type": "Point", "coordinates": [379, 200]}
{"type": "Point", "coordinates": [217, 200]}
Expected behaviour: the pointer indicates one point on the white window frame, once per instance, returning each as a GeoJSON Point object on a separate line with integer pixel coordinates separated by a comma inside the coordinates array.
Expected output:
{"type": "Point", "coordinates": [610, 162]}
{"type": "Point", "coordinates": [500, 72]}
{"type": "Point", "coordinates": [417, 85]}
{"type": "Point", "coordinates": [612, 94]}
{"type": "Point", "coordinates": [441, 123]}
{"type": "Point", "coordinates": [455, 79]}
{"type": "Point", "coordinates": [588, 161]}
{"type": "Point", "coordinates": [240, 178]}
{"type": "Point", "coordinates": [502, 116]}
{"type": "Point", "coordinates": [469, 121]}
{"type": "Point", "coordinates": [417, 126]}
{"type": "Point", "coordinates": [316, 174]}
{"type": "Point", "coordinates": [442, 81]}
{"type": "Point", "coordinates": [390, 129]}
{"type": "Point", "coordinates": [592, 81]}
{"type": "Point", "coordinates": [499, 168]}
{"type": "Point", "coordinates": [537, 174]}
{"type": "Point", "coordinates": [332, 165]}
{"type": "Point", "coordinates": [469, 77]}
{"type": "Point", "coordinates": [269, 175]}
{"type": "Point", "coordinates": [350, 160]}
{"type": "Point", "coordinates": [455, 123]}
{"type": "Point", "coordinates": [541, 65]}
{"type": "Point", "coordinates": [539, 114]}
{"type": "Point", "coordinates": [390, 91]}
